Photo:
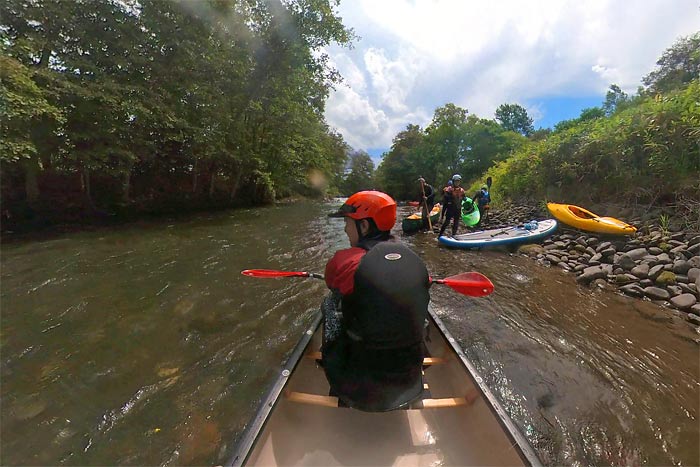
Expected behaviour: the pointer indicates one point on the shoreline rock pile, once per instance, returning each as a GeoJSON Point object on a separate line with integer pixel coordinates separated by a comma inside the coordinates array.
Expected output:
{"type": "Point", "coordinates": [657, 264]}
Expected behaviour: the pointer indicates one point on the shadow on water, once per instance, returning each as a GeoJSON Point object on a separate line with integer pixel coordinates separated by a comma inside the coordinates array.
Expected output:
{"type": "Point", "coordinates": [145, 345]}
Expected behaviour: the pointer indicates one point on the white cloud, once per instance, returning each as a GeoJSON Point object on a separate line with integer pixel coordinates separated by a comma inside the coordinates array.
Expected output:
{"type": "Point", "coordinates": [417, 55]}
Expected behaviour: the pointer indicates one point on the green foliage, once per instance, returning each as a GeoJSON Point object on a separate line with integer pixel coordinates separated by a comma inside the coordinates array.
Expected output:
{"type": "Point", "coordinates": [210, 99]}
{"type": "Point", "coordinates": [514, 117]}
{"type": "Point", "coordinates": [361, 175]}
{"type": "Point", "coordinates": [678, 66]}
{"type": "Point", "coordinates": [24, 107]}
{"type": "Point", "coordinates": [649, 150]}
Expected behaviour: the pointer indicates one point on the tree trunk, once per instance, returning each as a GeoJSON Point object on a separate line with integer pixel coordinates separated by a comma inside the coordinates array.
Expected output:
{"type": "Point", "coordinates": [31, 183]}
{"type": "Point", "coordinates": [126, 187]}
{"type": "Point", "coordinates": [194, 176]}
{"type": "Point", "coordinates": [212, 184]}
{"type": "Point", "coordinates": [235, 179]}
{"type": "Point", "coordinates": [85, 187]}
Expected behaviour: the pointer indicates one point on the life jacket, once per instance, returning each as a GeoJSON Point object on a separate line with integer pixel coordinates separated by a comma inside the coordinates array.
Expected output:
{"type": "Point", "coordinates": [485, 198]}
{"type": "Point", "coordinates": [376, 361]}
{"type": "Point", "coordinates": [388, 306]}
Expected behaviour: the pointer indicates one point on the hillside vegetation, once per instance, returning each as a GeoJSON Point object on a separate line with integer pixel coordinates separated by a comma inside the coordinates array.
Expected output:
{"type": "Point", "coordinates": [641, 150]}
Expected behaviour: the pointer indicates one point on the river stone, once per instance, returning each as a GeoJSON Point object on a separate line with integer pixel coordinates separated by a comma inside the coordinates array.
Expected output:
{"type": "Point", "coordinates": [551, 247]}
{"type": "Point", "coordinates": [603, 246]}
{"type": "Point", "coordinates": [665, 278]}
{"type": "Point", "coordinates": [655, 271]}
{"type": "Point", "coordinates": [655, 250]}
{"type": "Point", "coordinates": [694, 241]}
{"type": "Point", "coordinates": [674, 290]}
{"type": "Point", "coordinates": [680, 278]}
{"type": "Point", "coordinates": [646, 282]}
{"type": "Point", "coordinates": [617, 271]}
{"type": "Point", "coordinates": [633, 290]}
{"type": "Point", "coordinates": [695, 309]}
{"type": "Point", "coordinates": [564, 266]}
{"type": "Point", "coordinates": [626, 261]}
{"type": "Point", "coordinates": [656, 293]}
{"type": "Point", "coordinates": [678, 250]}
{"type": "Point", "coordinates": [622, 279]}
{"type": "Point", "coordinates": [695, 319]}
{"type": "Point", "coordinates": [531, 250]}
{"type": "Point", "coordinates": [693, 273]}
{"type": "Point", "coordinates": [681, 267]}
{"type": "Point", "coordinates": [641, 271]}
{"type": "Point", "coordinates": [594, 272]}
{"type": "Point", "coordinates": [686, 288]}
{"type": "Point", "coordinates": [552, 258]}
{"type": "Point", "coordinates": [637, 253]}
{"type": "Point", "coordinates": [694, 262]}
{"type": "Point", "coordinates": [606, 252]}
{"type": "Point", "coordinates": [663, 258]}
{"type": "Point", "coordinates": [580, 267]}
{"type": "Point", "coordinates": [683, 301]}
{"type": "Point", "coordinates": [592, 241]}
{"type": "Point", "coordinates": [694, 249]}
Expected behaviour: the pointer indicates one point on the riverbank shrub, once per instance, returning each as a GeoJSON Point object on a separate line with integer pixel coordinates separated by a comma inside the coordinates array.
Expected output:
{"type": "Point", "coordinates": [648, 153]}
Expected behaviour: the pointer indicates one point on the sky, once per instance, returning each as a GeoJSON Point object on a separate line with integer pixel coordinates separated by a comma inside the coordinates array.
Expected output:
{"type": "Point", "coordinates": [554, 58]}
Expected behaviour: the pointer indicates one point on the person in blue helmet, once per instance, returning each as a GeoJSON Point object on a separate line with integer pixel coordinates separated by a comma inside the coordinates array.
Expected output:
{"type": "Point", "coordinates": [456, 193]}
{"type": "Point", "coordinates": [482, 199]}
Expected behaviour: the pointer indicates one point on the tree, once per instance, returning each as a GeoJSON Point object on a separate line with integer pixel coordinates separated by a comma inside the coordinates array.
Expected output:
{"type": "Point", "coordinates": [514, 117]}
{"type": "Point", "coordinates": [361, 173]}
{"type": "Point", "coordinates": [615, 99]}
{"type": "Point", "coordinates": [591, 113]}
{"type": "Point", "coordinates": [679, 65]}
{"type": "Point", "coordinates": [397, 173]}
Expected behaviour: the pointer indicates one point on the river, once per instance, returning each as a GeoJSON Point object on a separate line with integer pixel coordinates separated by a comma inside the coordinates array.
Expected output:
{"type": "Point", "coordinates": [144, 345]}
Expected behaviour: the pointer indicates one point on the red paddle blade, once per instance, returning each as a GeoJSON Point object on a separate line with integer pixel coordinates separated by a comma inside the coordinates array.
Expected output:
{"type": "Point", "coordinates": [473, 284]}
{"type": "Point", "coordinates": [273, 273]}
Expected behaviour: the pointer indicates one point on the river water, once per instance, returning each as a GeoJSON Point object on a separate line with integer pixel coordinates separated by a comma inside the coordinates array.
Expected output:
{"type": "Point", "coordinates": [144, 345]}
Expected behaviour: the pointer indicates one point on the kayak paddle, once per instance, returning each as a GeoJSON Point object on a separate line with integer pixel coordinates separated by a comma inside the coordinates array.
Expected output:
{"type": "Point", "coordinates": [472, 284]}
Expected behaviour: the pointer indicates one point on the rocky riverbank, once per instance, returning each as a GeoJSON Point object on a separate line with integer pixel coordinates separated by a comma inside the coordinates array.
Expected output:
{"type": "Point", "coordinates": [655, 264]}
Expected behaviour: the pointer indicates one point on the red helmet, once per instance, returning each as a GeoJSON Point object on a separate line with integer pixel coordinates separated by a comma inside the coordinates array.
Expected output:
{"type": "Point", "coordinates": [375, 205]}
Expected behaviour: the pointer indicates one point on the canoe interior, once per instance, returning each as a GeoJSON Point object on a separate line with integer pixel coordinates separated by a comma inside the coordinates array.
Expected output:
{"type": "Point", "coordinates": [478, 433]}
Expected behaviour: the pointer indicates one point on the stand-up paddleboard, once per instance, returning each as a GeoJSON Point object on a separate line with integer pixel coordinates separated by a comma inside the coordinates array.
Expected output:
{"type": "Point", "coordinates": [529, 232]}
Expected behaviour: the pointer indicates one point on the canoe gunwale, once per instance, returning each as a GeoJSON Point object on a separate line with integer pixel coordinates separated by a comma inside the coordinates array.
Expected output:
{"type": "Point", "coordinates": [527, 454]}
{"type": "Point", "coordinates": [245, 446]}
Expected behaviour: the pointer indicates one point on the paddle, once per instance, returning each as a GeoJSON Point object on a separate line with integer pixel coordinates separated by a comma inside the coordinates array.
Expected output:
{"type": "Point", "coordinates": [425, 203]}
{"type": "Point", "coordinates": [472, 284]}
{"type": "Point", "coordinates": [488, 184]}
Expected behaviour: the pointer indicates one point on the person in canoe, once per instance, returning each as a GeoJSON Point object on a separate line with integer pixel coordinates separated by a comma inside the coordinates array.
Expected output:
{"type": "Point", "coordinates": [454, 212]}
{"type": "Point", "coordinates": [426, 198]}
{"type": "Point", "coordinates": [446, 201]}
{"type": "Point", "coordinates": [482, 198]}
{"type": "Point", "coordinates": [373, 350]}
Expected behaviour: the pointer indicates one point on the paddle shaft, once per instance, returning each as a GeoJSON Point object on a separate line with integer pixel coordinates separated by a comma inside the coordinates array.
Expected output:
{"type": "Point", "coordinates": [472, 284]}
{"type": "Point", "coordinates": [425, 204]}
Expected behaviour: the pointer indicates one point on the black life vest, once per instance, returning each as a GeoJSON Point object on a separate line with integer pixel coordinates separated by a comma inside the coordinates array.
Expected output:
{"type": "Point", "coordinates": [388, 306]}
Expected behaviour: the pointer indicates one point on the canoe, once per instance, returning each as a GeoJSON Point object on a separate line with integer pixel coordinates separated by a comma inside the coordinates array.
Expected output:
{"type": "Point", "coordinates": [585, 220]}
{"type": "Point", "coordinates": [462, 423]}
{"type": "Point", "coordinates": [415, 221]}
{"type": "Point", "coordinates": [530, 232]}
{"type": "Point", "coordinates": [470, 212]}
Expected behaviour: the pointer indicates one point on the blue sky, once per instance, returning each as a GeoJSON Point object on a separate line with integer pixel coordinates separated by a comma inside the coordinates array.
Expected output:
{"type": "Point", "coordinates": [553, 57]}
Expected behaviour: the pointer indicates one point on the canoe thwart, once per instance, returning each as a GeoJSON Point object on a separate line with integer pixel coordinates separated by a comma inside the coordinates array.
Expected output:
{"type": "Point", "coordinates": [332, 401]}
{"type": "Point", "coordinates": [426, 361]}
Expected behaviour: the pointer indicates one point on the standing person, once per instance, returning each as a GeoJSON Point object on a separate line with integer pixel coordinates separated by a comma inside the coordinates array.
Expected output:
{"type": "Point", "coordinates": [426, 198]}
{"type": "Point", "coordinates": [446, 201]}
{"type": "Point", "coordinates": [482, 198]}
{"type": "Point", "coordinates": [373, 354]}
{"type": "Point", "coordinates": [456, 192]}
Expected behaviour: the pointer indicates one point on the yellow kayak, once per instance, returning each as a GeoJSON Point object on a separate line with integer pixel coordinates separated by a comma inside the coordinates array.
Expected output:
{"type": "Point", "coordinates": [586, 220]}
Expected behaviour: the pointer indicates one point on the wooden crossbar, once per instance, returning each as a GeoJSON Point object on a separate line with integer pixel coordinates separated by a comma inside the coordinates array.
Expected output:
{"type": "Point", "coordinates": [426, 361]}
{"type": "Point", "coordinates": [332, 401]}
